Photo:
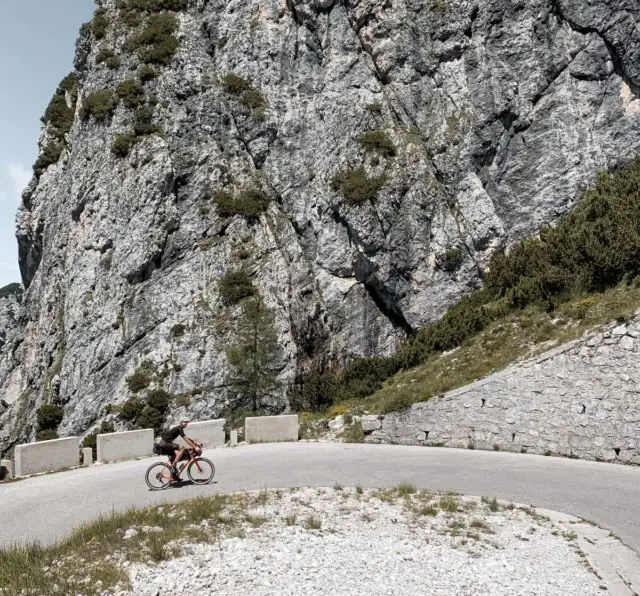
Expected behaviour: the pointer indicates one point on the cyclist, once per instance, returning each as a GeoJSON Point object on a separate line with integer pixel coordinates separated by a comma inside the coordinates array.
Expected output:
{"type": "Point", "coordinates": [172, 449]}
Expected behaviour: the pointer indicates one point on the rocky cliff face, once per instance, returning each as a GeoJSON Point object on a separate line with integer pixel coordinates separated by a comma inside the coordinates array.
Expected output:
{"type": "Point", "coordinates": [357, 160]}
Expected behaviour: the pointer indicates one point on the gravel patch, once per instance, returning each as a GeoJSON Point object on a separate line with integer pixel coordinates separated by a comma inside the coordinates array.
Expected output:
{"type": "Point", "coordinates": [341, 541]}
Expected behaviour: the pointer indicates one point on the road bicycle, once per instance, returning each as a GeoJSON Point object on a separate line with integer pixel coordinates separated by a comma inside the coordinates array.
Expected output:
{"type": "Point", "coordinates": [200, 470]}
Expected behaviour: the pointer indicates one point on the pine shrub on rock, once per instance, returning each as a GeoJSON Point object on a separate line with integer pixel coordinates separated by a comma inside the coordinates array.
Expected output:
{"type": "Point", "coordinates": [356, 186]}
{"type": "Point", "coordinates": [249, 203]}
{"type": "Point", "coordinates": [378, 141]}
{"type": "Point", "coordinates": [99, 105]}
{"type": "Point", "coordinates": [235, 286]}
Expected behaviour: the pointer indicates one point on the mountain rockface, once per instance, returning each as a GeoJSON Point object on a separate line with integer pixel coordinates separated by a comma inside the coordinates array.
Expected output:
{"type": "Point", "coordinates": [352, 162]}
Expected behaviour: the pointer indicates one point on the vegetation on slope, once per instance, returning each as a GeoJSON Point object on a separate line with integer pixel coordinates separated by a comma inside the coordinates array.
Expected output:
{"type": "Point", "coordinates": [549, 288]}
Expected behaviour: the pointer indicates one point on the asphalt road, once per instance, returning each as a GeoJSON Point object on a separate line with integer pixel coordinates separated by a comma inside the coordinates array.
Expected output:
{"type": "Point", "coordinates": [46, 508]}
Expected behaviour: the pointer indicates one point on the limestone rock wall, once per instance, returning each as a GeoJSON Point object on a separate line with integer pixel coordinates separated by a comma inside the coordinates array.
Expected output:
{"type": "Point", "coordinates": [500, 114]}
{"type": "Point", "coordinates": [580, 400]}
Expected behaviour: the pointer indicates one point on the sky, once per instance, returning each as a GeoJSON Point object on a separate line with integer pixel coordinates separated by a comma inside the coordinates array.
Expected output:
{"type": "Point", "coordinates": [37, 40]}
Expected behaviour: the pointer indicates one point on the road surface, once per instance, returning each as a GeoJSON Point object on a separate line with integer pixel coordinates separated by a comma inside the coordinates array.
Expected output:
{"type": "Point", "coordinates": [46, 508]}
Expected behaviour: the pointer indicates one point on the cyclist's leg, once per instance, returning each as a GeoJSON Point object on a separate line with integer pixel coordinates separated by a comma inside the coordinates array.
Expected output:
{"type": "Point", "coordinates": [177, 454]}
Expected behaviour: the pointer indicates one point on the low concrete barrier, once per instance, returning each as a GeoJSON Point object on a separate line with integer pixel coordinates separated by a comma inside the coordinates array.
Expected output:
{"type": "Point", "coordinates": [126, 445]}
{"type": "Point", "coordinates": [46, 456]}
{"type": "Point", "coordinates": [209, 432]}
{"type": "Point", "coordinates": [271, 429]}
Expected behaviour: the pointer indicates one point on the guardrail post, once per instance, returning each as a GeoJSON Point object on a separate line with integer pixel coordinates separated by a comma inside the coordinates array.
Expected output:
{"type": "Point", "coordinates": [87, 456]}
{"type": "Point", "coordinates": [233, 438]}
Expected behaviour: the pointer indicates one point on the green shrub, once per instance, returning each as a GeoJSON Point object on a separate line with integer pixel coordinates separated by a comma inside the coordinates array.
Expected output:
{"type": "Point", "coordinates": [108, 58]}
{"type": "Point", "coordinates": [14, 289]}
{"type": "Point", "coordinates": [313, 392]}
{"type": "Point", "coordinates": [47, 434]}
{"type": "Point", "coordinates": [49, 416]}
{"type": "Point", "coordinates": [49, 156]}
{"type": "Point", "coordinates": [147, 73]}
{"type": "Point", "coordinates": [100, 23]}
{"type": "Point", "coordinates": [155, 5]}
{"type": "Point", "coordinates": [452, 259]}
{"type": "Point", "coordinates": [158, 399]}
{"type": "Point", "coordinates": [374, 108]}
{"type": "Point", "coordinates": [235, 286]}
{"type": "Point", "coordinates": [131, 93]}
{"type": "Point", "coordinates": [131, 409]}
{"type": "Point", "coordinates": [379, 141]}
{"type": "Point", "coordinates": [123, 143]}
{"type": "Point", "coordinates": [177, 330]}
{"type": "Point", "coordinates": [58, 115]}
{"type": "Point", "coordinates": [141, 378]}
{"type": "Point", "coordinates": [249, 203]}
{"type": "Point", "coordinates": [156, 44]}
{"type": "Point", "coordinates": [143, 122]}
{"type": "Point", "coordinates": [234, 84]}
{"type": "Point", "coordinates": [151, 418]}
{"type": "Point", "coordinates": [250, 97]}
{"type": "Point", "coordinates": [130, 17]}
{"type": "Point", "coordinates": [99, 105]}
{"type": "Point", "coordinates": [356, 186]}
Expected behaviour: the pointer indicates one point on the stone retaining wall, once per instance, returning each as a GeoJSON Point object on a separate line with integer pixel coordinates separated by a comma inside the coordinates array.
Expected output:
{"type": "Point", "coordinates": [581, 400]}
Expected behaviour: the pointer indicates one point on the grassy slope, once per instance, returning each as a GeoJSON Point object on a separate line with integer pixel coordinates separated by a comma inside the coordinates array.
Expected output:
{"type": "Point", "coordinates": [516, 336]}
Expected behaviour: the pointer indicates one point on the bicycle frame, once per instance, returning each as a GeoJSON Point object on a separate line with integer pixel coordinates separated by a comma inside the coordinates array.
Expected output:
{"type": "Point", "coordinates": [193, 457]}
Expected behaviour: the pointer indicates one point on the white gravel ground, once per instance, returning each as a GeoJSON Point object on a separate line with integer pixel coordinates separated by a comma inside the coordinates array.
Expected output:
{"type": "Point", "coordinates": [377, 543]}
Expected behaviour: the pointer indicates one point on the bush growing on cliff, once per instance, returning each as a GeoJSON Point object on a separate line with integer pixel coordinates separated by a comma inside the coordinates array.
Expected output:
{"type": "Point", "coordinates": [100, 23]}
{"type": "Point", "coordinates": [49, 156]}
{"type": "Point", "coordinates": [154, 5]}
{"type": "Point", "coordinates": [14, 289]}
{"type": "Point", "coordinates": [147, 73]}
{"type": "Point", "coordinates": [235, 286]}
{"type": "Point", "coordinates": [141, 378]}
{"type": "Point", "coordinates": [59, 118]}
{"type": "Point", "coordinates": [250, 97]}
{"type": "Point", "coordinates": [356, 186]}
{"type": "Point", "coordinates": [49, 418]}
{"type": "Point", "coordinates": [156, 43]}
{"type": "Point", "coordinates": [99, 105]}
{"type": "Point", "coordinates": [131, 93]}
{"type": "Point", "coordinates": [108, 58]}
{"type": "Point", "coordinates": [379, 141]}
{"type": "Point", "coordinates": [249, 203]}
{"type": "Point", "coordinates": [123, 143]}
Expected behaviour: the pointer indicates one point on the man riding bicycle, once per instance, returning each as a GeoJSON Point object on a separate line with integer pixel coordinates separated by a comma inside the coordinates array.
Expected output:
{"type": "Point", "coordinates": [172, 449]}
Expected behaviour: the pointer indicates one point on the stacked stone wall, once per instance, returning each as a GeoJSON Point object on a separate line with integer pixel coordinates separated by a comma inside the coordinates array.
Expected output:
{"type": "Point", "coordinates": [581, 400]}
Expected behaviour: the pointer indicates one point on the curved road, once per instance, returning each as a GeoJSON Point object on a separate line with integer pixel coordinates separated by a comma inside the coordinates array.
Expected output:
{"type": "Point", "coordinates": [46, 508]}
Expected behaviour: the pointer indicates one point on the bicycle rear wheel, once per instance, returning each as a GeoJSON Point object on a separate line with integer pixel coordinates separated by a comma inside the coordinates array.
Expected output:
{"type": "Point", "coordinates": [201, 471]}
{"type": "Point", "coordinates": [158, 476]}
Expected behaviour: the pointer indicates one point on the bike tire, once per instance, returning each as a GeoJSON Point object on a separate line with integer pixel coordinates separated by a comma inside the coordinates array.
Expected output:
{"type": "Point", "coordinates": [205, 474]}
{"type": "Point", "coordinates": [158, 476]}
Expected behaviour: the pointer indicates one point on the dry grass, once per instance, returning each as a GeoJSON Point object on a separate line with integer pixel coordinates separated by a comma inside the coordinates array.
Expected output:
{"type": "Point", "coordinates": [519, 335]}
{"type": "Point", "coordinates": [89, 560]}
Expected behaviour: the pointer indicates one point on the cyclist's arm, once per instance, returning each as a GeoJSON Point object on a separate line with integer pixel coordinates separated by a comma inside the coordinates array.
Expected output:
{"type": "Point", "coordinates": [191, 442]}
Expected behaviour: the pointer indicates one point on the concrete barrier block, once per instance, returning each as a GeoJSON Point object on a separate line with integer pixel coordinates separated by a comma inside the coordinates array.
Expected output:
{"type": "Point", "coordinates": [208, 432]}
{"type": "Point", "coordinates": [126, 445]}
{"type": "Point", "coordinates": [233, 438]}
{"type": "Point", "coordinates": [87, 456]}
{"type": "Point", "coordinates": [6, 469]}
{"type": "Point", "coordinates": [46, 456]}
{"type": "Point", "coordinates": [271, 429]}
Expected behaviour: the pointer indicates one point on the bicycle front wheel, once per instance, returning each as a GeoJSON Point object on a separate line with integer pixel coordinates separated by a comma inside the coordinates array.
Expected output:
{"type": "Point", "coordinates": [201, 471]}
{"type": "Point", "coordinates": [158, 476]}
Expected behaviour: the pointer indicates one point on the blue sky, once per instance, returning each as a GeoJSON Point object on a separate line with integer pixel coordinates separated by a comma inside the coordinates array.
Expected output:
{"type": "Point", "coordinates": [37, 39]}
